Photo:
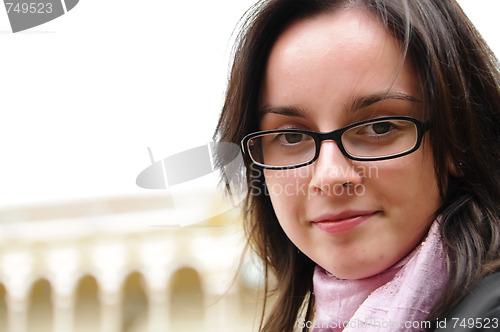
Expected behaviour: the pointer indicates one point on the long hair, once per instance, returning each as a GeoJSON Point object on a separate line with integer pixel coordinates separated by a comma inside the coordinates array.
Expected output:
{"type": "Point", "coordinates": [460, 83]}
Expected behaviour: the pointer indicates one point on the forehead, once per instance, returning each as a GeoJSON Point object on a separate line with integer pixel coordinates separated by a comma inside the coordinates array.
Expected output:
{"type": "Point", "coordinates": [346, 31]}
{"type": "Point", "coordinates": [339, 54]}
{"type": "Point", "coordinates": [348, 26]}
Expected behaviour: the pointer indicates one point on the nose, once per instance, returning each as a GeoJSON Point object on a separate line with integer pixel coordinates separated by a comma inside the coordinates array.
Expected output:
{"type": "Point", "coordinates": [333, 172]}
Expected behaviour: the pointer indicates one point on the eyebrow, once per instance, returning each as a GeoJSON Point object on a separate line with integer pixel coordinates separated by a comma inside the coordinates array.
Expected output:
{"type": "Point", "coordinates": [351, 106]}
{"type": "Point", "coordinates": [287, 110]}
{"type": "Point", "coordinates": [366, 101]}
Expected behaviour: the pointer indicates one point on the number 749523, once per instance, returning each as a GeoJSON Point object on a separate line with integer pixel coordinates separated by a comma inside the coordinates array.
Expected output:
{"type": "Point", "coordinates": [29, 7]}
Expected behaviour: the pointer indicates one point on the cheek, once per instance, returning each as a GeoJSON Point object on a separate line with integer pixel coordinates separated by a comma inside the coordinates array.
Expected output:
{"type": "Point", "coordinates": [408, 185]}
{"type": "Point", "coordinates": [288, 192]}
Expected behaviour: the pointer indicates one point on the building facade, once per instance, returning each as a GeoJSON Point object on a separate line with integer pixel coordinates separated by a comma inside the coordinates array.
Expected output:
{"type": "Point", "coordinates": [120, 265]}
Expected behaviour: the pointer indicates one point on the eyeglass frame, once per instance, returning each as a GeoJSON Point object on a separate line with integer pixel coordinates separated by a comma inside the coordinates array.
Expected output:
{"type": "Point", "coordinates": [336, 136]}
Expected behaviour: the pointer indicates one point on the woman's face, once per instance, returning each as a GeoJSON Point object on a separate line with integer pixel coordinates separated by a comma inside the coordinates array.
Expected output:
{"type": "Point", "coordinates": [324, 73]}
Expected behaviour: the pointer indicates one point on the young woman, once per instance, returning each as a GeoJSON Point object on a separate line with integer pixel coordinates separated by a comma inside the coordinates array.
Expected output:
{"type": "Point", "coordinates": [371, 131]}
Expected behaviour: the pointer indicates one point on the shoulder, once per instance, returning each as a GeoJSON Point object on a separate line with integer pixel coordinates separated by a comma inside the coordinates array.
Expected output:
{"type": "Point", "coordinates": [478, 311]}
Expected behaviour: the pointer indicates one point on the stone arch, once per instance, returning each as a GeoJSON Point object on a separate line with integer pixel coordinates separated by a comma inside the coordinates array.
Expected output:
{"type": "Point", "coordinates": [3, 308]}
{"type": "Point", "coordinates": [134, 303]}
{"type": "Point", "coordinates": [249, 286]}
{"type": "Point", "coordinates": [187, 300]}
{"type": "Point", "coordinates": [40, 308]}
{"type": "Point", "coordinates": [87, 305]}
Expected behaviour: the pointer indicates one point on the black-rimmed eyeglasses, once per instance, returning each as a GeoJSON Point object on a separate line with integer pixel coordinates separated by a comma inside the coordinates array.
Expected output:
{"type": "Point", "coordinates": [370, 140]}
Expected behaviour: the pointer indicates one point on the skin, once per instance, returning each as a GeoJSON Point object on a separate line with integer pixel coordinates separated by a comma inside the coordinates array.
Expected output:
{"type": "Point", "coordinates": [318, 71]}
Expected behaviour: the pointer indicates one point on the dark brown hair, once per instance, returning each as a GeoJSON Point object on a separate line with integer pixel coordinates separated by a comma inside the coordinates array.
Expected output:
{"type": "Point", "coordinates": [460, 82]}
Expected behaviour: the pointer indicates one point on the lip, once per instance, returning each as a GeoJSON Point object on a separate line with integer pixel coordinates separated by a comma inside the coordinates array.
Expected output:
{"type": "Point", "coordinates": [342, 222]}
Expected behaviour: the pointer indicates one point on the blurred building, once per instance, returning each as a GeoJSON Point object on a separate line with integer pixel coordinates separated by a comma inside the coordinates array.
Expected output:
{"type": "Point", "coordinates": [120, 265]}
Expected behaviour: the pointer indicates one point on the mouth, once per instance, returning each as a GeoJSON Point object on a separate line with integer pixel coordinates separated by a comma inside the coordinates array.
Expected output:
{"type": "Point", "coordinates": [342, 222]}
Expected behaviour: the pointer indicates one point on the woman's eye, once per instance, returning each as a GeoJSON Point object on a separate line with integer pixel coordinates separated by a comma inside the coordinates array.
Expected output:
{"type": "Point", "coordinates": [381, 127]}
{"type": "Point", "coordinates": [292, 138]}
{"type": "Point", "coordinates": [378, 130]}
{"type": "Point", "coordinates": [289, 138]}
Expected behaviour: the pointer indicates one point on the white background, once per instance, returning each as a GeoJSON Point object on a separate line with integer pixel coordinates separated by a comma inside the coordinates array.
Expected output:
{"type": "Point", "coordinates": [83, 96]}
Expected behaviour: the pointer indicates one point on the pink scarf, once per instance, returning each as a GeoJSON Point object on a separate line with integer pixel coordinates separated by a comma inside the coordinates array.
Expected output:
{"type": "Point", "coordinates": [399, 298]}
